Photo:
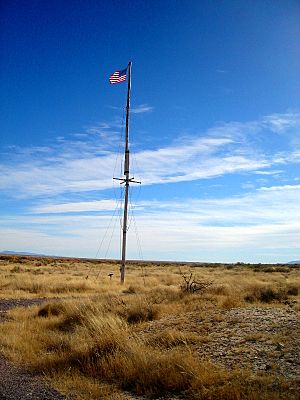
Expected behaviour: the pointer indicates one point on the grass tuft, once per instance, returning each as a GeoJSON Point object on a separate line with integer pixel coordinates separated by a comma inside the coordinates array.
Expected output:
{"type": "Point", "coordinates": [50, 309]}
{"type": "Point", "coordinates": [140, 311]}
{"type": "Point", "coordinates": [266, 295]}
{"type": "Point", "coordinates": [293, 291]}
{"type": "Point", "coordinates": [171, 338]}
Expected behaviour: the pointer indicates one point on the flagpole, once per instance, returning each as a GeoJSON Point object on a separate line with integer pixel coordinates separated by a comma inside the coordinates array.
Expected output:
{"type": "Point", "coordinates": [127, 179]}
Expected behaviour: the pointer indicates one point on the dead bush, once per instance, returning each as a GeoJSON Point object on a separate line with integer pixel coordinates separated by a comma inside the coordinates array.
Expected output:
{"type": "Point", "coordinates": [190, 285]}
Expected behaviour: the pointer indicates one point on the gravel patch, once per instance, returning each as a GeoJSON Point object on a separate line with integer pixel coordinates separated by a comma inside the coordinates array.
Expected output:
{"type": "Point", "coordinates": [261, 339]}
{"type": "Point", "coordinates": [8, 304]}
{"type": "Point", "coordinates": [19, 384]}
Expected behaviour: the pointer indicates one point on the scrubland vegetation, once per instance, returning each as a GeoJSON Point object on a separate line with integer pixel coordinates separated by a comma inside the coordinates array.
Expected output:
{"type": "Point", "coordinates": [93, 338]}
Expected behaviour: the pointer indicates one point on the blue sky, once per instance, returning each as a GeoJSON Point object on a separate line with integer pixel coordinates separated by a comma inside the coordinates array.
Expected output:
{"type": "Point", "coordinates": [214, 128]}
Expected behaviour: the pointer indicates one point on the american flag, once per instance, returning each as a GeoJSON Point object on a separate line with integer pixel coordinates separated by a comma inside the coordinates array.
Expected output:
{"type": "Point", "coordinates": [118, 76]}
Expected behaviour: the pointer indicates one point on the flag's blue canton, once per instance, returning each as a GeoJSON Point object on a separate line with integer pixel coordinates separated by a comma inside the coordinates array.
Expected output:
{"type": "Point", "coordinates": [123, 72]}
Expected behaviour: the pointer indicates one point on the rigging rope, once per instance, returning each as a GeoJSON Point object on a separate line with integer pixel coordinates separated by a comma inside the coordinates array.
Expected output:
{"type": "Point", "coordinates": [119, 198]}
{"type": "Point", "coordinates": [138, 240]}
{"type": "Point", "coordinates": [104, 236]}
{"type": "Point", "coordinates": [117, 193]}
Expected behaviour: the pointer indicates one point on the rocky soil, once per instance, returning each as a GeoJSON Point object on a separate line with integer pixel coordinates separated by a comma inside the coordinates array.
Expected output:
{"type": "Point", "coordinates": [257, 338]}
{"type": "Point", "coordinates": [18, 384]}
{"type": "Point", "coordinates": [8, 304]}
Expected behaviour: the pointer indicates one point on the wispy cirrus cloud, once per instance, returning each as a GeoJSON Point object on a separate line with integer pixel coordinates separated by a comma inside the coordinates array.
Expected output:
{"type": "Point", "coordinates": [282, 123]}
{"type": "Point", "coordinates": [86, 163]}
{"type": "Point", "coordinates": [136, 109]}
{"type": "Point", "coordinates": [265, 204]}
{"type": "Point", "coordinates": [270, 172]}
{"type": "Point", "coordinates": [79, 207]}
{"type": "Point", "coordinates": [142, 108]}
{"type": "Point", "coordinates": [255, 225]}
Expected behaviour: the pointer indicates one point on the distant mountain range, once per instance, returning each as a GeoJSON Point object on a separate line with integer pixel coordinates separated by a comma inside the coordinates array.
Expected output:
{"type": "Point", "coordinates": [21, 253]}
{"type": "Point", "coordinates": [24, 253]}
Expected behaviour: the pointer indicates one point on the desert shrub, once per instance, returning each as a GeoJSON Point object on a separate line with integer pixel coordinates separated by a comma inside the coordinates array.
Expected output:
{"type": "Point", "coordinates": [231, 301]}
{"type": "Point", "coordinates": [34, 271]}
{"type": "Point", "coordinates": [81, 286]}
{"type": "Point", "coordinates": [133, 309]}
{"type": "Point", "coordinates": [219, 289]}
{"type": "Point", "coordinates": [268, 269]}
{"type": "Point", "coordinates": [292, 291]}
{"type": "Point", "coordinates": [130, 290]}
{"type": "Point", "coordinates": [58, 346]}
{"type": "Point", "coordinates": [161, 294]}
{"type": "Point", "coordinates": [16, 269]}
{"type": "Point", "coordinates": [35, 287]}
{"type": "Point", "coordinates": [70, 322]}
{"type": "Point", "coordinates": [45, 261]}
{"type": "Point", "coordinates": [51, 309]}
{"type": "Point", "coordinates": [230, 266]}
{"type": "Point", "coordinates": [38, 272]}
{"type": "Point", "coordinates": [266, 295]}
{"type": "Point", "coordinates": [271, 268]}
{"type": "Point", "coordinates": [140, 313]}
{"type": "Point", "coordinates": [154, 373]}
{"type": "Point", "coordinates": [134, 367]}
{"type": "Point", "coordinates": [96, 337]}
{"type": "Point", "coordinates": [284, 269]}
{"type": "Point", "coordinates": [250, 298]}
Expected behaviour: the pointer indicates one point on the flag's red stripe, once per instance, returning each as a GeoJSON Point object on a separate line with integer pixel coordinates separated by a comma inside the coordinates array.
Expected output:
{"type": "Point", "coordinates": [116, 78]}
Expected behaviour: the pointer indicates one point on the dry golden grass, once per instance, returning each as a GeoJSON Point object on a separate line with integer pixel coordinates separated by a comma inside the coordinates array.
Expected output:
{"type": "Point", "coordinates": [80, 340]}
{"type": "Point", "coordinates": [90, 342]}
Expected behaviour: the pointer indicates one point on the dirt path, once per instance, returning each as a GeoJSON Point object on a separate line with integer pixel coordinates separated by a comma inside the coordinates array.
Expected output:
{"type": "Point", "coordinates": [16, 383]}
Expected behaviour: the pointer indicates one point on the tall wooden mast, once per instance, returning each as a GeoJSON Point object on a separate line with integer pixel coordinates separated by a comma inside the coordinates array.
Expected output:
{"type": "Point", "coordinates": [127, 179]}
